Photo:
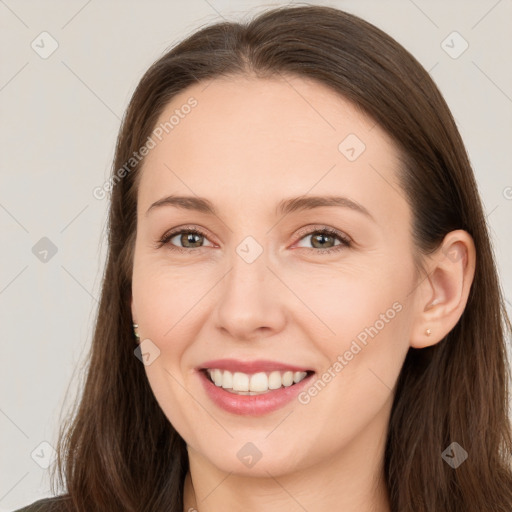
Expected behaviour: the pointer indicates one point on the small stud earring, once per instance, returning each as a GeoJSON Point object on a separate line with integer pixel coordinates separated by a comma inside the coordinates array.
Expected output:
{"type": "Point", "coordinates": [428, 332]}
{"type": "Point", "coordinates": [135, 326]}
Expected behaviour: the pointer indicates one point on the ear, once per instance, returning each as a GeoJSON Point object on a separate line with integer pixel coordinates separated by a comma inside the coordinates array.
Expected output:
{"type": "Point", "coordinates": [441, 296]}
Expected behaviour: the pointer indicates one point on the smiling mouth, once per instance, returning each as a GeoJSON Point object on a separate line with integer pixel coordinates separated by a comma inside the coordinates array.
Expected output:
{"type": "Point", "coordinates": [259, 383]}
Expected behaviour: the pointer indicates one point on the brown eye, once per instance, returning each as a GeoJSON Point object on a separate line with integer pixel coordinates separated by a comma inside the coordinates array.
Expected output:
{"type": "Point", "coordinates": [184, 239]}
{"type": "Point", "coordinates": [325, 240]}
{"type": "Point", "coordinates": [322, 240]}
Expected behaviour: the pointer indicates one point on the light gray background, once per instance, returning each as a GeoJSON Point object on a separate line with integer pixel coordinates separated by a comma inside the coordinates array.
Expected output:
{"type": "Point", "coordinates": [59, 121]}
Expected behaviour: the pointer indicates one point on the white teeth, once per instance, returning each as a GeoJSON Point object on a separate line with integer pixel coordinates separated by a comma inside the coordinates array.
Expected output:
{"type": "Point", "coordinates": [287, 379]}
{"type": "Point", "coordinates": [240, 381]}
{"type": "Point", "coordinates": [217, 377]}
{"type": "Point", "coordinates": [260, 382]}
{"type": "Point", "coordinates": [227, 380]}
{"type": "Point", "coordinates": [274, 380]}
{"type": "Point", "coordinates": [298, 376]}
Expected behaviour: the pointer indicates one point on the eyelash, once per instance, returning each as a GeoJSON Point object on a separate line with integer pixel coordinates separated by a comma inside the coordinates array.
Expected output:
{"type": "Point", "coordinates": [345, 240]}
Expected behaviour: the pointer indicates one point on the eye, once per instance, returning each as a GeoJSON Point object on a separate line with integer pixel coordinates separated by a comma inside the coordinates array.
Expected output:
{"type": "Point", "coordinates": [190, 238]}
{"type": "Point", "coordinates": [324, 238]}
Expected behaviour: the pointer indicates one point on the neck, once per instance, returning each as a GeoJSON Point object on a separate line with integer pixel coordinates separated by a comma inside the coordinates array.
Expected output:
{"type": "Point", "coordinates": [350, 480]}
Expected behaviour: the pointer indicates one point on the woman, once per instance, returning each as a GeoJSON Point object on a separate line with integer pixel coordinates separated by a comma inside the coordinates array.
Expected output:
{"type": "Point", "coordinates": [300, 308]}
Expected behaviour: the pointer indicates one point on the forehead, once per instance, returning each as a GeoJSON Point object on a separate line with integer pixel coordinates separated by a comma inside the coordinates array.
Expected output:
{"type": "Point", "coordinates": [249, 140]}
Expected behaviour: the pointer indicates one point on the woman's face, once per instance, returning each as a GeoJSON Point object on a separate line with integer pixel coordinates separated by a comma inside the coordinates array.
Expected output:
{"type": "Point", "coordinates": [261, 297]}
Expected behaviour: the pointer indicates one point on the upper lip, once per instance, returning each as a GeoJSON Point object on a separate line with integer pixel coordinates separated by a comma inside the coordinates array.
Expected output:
{"type": "Point", "coordinates": [259, 365]}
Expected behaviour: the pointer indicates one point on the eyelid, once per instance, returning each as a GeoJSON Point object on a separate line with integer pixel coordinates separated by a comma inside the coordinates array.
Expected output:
{"type": "Point", "coordinates": [191, 228]}
{"type": "Point", "coordinates": [345, 240]}
{"type": "Point", "coordinates": [318, 228]}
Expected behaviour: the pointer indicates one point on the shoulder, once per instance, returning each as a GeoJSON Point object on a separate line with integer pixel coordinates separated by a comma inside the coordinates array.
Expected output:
{"type": "Point", "coordinates": [57, 504]}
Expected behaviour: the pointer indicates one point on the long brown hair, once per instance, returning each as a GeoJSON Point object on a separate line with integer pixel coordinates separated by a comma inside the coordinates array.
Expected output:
{"type": "Point", "coordinates": [118, 452]}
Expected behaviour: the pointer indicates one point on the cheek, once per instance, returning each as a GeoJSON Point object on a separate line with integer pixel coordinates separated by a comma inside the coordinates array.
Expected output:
{"type": "Point", "coordinates": [170, 391]}
{"type": "Point", "coordinates": [165, 299]}
{"type": "Point", "coordinates": [362, 361]}
{"type": "Point", "coordinates": [170, 304]}
{"type": "Point", "coordinates": [362, 324]}
{"type": "Point", "coordinates": [346, 303]}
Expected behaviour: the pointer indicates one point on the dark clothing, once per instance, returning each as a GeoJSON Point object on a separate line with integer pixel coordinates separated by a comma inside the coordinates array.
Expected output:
{"type": "Point", "coordinates": [56, 504]}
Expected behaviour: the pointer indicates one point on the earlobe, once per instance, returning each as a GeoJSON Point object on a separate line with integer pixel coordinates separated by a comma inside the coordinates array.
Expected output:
{"type": "Point", "coordinates": [135, 324]}
{"type": "Point", "coordinates": [442, 295]}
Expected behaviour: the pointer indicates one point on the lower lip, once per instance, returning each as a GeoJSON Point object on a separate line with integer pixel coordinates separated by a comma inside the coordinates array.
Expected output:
{"type": "Point", "coordinates": [252, 405]}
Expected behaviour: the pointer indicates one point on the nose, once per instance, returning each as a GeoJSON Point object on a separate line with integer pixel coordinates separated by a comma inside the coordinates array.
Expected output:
{"type": "Point", "coordinates": [252, 301]}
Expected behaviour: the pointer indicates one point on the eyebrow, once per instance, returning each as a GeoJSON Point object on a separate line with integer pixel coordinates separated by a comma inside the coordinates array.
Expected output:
{"type": "Point", "coordinates": [284, 207]}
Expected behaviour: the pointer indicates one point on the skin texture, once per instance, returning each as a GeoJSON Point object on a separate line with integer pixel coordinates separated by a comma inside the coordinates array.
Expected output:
{"type": "Point", "coordinates": [248, 144]}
